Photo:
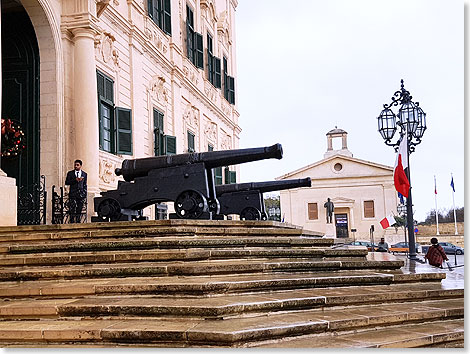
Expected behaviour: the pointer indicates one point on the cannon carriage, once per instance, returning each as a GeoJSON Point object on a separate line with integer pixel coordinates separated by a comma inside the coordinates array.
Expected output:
{"type": "Point", "coordinates": [185, 179]}
{"type": "Point", "coordinates": [246, 199]}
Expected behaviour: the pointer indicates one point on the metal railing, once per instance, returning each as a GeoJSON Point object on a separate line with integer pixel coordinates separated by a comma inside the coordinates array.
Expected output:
{"type": "Point", "coordinates": [66, 210]}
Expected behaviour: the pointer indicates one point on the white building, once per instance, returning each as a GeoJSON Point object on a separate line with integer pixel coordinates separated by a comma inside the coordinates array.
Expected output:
{"type": "Point", "coordinates": [362, 192]}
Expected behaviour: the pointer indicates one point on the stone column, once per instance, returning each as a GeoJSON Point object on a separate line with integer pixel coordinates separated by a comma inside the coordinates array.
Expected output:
{"type": "Point", "coordinates": [330, 143]}
{"type": "Point", "coordinates": [8, 191]}
{"type": "Point", "coordinates": [344, 141]}
{"type": "Point", "coordinates": [85, 119]}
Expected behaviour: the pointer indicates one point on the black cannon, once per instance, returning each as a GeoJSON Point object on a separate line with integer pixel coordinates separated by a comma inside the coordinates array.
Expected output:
{"type": "Point", "coordinates": [185, 179]}
{"type": "Point", "coordinates": [246, 199]}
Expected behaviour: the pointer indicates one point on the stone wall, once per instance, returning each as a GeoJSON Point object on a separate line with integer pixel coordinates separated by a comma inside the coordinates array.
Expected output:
{"type": "Point", "coordinates": [446, 233]}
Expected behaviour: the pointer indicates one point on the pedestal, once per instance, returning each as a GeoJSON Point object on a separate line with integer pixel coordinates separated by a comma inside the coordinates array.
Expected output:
{"type": "Point", "coordinates": [330, 231]}
{"type": "Point", "coordinates": [8, 200]}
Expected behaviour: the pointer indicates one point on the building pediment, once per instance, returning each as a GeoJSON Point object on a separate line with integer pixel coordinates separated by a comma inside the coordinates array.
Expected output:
{"type": "Point", "coordinates": [342, 200]}
{"type": "Point", "coordinates": [339, 167]}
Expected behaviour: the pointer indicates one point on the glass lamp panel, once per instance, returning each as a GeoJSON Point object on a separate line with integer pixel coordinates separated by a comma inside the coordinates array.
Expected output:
{"type": "Point", "coordinates": [409, 116]}
{"type": "Point", "coordinates": [421, 123]}
{"type": "Point", "coordinates": [387, 124]}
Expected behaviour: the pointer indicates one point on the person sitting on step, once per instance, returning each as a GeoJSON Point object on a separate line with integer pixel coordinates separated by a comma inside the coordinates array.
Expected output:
{"type": "Point", "coordinates": [436, 254]}
{"type": "Point", "coordinates": [382, 246]}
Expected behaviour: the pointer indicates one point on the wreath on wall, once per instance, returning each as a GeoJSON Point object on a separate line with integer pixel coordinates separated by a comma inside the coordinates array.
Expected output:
{"type": "Point", "coordinates": [12, 138]}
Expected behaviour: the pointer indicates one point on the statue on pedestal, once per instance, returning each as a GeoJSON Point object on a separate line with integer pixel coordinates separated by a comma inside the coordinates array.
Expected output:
{"type": "Point", "coordinates": [330, 207]}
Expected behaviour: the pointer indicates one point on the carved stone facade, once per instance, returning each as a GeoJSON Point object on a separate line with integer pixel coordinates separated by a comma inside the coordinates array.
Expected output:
{"type": "Point", "coordinates": [149, 70]}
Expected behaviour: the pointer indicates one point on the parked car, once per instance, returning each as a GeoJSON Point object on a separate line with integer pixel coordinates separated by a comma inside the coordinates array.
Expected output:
{"type": "Point", "coordinates": [448, 247]}
{"type": "Point", "coordinates": [370, 246]}
{"type": "Point", "coordinates": [403, 247]}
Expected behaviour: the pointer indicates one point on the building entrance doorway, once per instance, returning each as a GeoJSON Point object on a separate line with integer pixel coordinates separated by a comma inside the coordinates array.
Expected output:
{"type": "Point", "coordinates": [20, 90]}
{"type": "Point", "coordinates": [341, 221]}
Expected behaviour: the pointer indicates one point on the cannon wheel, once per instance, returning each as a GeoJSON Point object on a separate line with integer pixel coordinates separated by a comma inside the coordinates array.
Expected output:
{"type": "Point", "coordinates": [109, 208]}
{"type": "Point", "coordinates": [190, 204]}
{"type": "Point", "coordinates": [214, 206]}
{"type": "Point", "coordinates": [250, 213]}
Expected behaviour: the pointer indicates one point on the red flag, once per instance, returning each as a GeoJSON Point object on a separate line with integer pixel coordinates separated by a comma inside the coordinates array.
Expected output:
{"type": "Point", "coordinates": [435, 186]}
{"type": "Point", "coordinates": [402, 185]}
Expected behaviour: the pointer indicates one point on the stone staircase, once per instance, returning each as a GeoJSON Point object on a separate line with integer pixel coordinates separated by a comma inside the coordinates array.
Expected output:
{"type": "Point", "coordinates": [183, 283]}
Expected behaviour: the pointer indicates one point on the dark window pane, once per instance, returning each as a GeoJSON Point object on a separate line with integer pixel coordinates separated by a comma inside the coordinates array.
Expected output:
{"type": "Point", "coordinates": [218, 175]}
{"type": "Point", "coordinates": [167, 16]}
{"type": "Point", "coordinates": [217, 81]}
{"type": "Point", "coordinates": [199, 51]}
{"type": "Point", "coordinates": [159, 132]}
{"type": "Point", "coordinates": [190, 142]}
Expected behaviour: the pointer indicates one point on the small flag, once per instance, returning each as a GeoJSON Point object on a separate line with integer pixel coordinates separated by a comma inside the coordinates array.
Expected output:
{"type": "Point", "coordinates": [402, 184]}
{"type": "Point", "coordinates": [402, 199]}
{"type": "Point", "coordinates": [435, 186]}
{"type": "Point", "coordinates": [387, 221]}
{"type": "Point", "coordinates": [452, 184]}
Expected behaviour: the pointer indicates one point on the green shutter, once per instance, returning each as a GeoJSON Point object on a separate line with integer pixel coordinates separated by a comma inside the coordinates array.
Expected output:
{"type": "Point", "coordinates": [199, 51]}
{"type": "Point", "coordinates": [124, 131]}
{"type": "Point", "coordinates": [169, 143]}
{"type": "Point", "coordinates": [167, 16]}
{"type": "Point", "coordinates": [218, 175]}
{"type": "Point", "coordinates": [158, 132]}
{"type": "Point", "coordinates": [231, 88]}
{"type": "Point", "coordinates": [190, 33]}
{"type": "Point", "coordinates": [217, 81]}
{"type": "Point", "coordinates": [227, 175]}
{"type": "Point", "coordinates": [108, 89]}
{"type": "Point", "coordinates": [100, 83]}
{"type": "Point", "coordinates": [225, 78]}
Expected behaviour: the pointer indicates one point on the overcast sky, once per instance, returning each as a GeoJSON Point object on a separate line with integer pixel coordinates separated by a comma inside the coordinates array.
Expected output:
{"type": "Point", "coordinates": [306, 66]}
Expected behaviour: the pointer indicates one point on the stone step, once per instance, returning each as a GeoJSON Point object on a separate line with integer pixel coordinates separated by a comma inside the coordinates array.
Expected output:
{"type": "Point", "coordinates": [221, 306]}
{"type": "Point", "coordinates": [105, 256]}
{"type": "Point", "coordinates": [204, 285]}
{"type": "Point", "coordinates": [160, 227]}
{"type": "Point", "coordinates": [163, 243]}
{"type": "Point", "coordinates": [430, 334]}
{"type": "Point", "coordinates": [189, 268]}
{"type": "Point", "coordinates": [173, 223]}
{"type": "Point", "coordinates": [233, 331]}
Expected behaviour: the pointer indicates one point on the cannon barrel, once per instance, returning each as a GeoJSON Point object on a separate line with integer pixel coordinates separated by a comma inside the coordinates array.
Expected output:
{"type": "Point", "coordinates": [140, 167]}
{"type": "Point", "coordinates": [263, 187]}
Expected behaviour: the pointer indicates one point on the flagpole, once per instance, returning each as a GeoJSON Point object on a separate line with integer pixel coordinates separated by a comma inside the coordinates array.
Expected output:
{"type": "Point", "coordinates": [453, 203]}
{"type": "Point", "coordinates": [435, 201]}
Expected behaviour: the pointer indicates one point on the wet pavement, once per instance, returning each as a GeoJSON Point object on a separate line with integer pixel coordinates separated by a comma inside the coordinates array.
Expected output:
{"type": "Point", "coordinates": [455, 278]}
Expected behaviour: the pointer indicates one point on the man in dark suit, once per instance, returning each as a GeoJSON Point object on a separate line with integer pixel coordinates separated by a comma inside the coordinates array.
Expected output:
{"type": "Point", "coordinates": [77, 180]}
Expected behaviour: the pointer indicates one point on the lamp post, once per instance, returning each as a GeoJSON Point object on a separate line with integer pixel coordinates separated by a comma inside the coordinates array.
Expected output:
{"type": "Point", "coordinates": [401, 209]}
{"type": "Point", "coordinates": [411, 119]}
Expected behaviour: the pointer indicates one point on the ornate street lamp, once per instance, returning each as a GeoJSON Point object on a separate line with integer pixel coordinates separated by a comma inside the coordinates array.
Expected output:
{"type": "Point", "coordinates": [412, 119]}
{"type": "Point", "coordinates": [401, 209]}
